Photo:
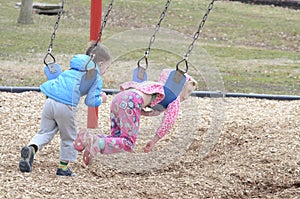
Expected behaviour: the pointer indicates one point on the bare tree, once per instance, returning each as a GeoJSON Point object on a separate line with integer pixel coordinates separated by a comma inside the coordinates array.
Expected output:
{"type": "Point", "coordinates": [25, 16]}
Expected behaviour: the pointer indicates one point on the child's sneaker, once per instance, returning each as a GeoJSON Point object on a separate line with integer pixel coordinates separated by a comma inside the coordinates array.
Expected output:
{"type": "Point", "coordinates": [27, 156]}
{"type": "Point", "coordinates": [61, 172]}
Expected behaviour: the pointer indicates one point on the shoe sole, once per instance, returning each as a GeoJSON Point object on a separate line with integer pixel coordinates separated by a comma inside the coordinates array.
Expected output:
{"type": "Point", "coordinates": [72, 175]}
{"type": "Point", "coordinates": [24, 163]}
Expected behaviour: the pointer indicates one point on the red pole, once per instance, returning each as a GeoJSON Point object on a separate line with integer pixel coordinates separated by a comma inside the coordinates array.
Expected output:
{"type": "Point", "coordinates": [95, 24]}
{"type": "Point", "coordinates": [96, 19]}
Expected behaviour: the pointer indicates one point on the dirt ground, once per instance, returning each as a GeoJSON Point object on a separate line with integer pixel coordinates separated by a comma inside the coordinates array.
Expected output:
{"type": "Point", "coordinates": [219, 148]}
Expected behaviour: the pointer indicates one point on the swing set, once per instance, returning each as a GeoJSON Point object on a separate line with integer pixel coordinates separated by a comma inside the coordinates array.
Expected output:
{"type": "Point", "coordinates": [175, 80]}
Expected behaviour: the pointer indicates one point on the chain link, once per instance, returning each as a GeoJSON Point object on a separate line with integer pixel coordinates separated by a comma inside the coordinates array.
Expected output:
{"type": "Point", "coordinates": [157, 27]}
{"type": "Point", "coordinates": [152, 39]}
{"type": "Point", "coordinates": [110, 6]}
{"type": "Point", "coordinates": [196, 35]}
{"type": "Point", "coordinates": [56, 27]}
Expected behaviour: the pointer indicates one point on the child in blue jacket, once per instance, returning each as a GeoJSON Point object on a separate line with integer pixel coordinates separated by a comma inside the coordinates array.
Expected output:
{"type": "Point", "coordinates": [59, 113]}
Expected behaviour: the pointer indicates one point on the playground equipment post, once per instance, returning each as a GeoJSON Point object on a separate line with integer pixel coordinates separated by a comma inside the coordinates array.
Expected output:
{"type": "Point", "coordinates": [95, 24]}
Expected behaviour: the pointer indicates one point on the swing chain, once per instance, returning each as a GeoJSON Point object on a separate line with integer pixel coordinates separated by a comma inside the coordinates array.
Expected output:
{"type": "Point", "coordinates": [152, 39]}
{"type": "Point", "coordinates": [157, 27]}
{"type": "Point", "coordinates": [92, 56]}
{"type": "Point", "coordinates": [56, 27]}
{"type": "Point", "coordinates": [53, 34]}
{"type": "Point", "coordinates": [110, 6]}
{"type": "Point", "coordinates": [196, 35]}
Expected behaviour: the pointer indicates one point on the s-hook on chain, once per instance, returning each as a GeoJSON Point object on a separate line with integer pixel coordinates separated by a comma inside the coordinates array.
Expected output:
{"type": "Point", "coordinates": [152, 39]}
{"type": "Point", "coordinates": [196, 36]}
{"type": "Point", "coordinates": [53, 34]}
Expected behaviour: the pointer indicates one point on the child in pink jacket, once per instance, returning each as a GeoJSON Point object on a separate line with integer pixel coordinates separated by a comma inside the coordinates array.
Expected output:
{"type": "Point", "coordinates": [125, 112]}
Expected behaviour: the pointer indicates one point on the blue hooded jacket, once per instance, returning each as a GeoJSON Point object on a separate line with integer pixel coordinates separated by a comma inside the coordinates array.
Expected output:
{"type": "Point", "coordinates": [70, 85]}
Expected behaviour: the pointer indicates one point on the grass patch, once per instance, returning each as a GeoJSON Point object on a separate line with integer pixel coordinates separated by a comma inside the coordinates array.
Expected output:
{"type": "Point", "coordinates": [255, 47]}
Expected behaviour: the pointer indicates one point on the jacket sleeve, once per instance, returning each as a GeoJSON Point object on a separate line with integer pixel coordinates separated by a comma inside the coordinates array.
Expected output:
{"type": "Point", "coordinates": [93, 97]}
{"type": "Point", "coordinates": [169, 118]}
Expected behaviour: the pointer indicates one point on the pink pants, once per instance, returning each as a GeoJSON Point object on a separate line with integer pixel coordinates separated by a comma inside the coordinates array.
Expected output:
{"type": "Point", "coordinates": [125, 113]}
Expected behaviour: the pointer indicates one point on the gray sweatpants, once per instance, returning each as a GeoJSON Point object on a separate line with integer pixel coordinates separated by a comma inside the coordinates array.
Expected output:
{"type": "Point", "coordinates": [58, 117]}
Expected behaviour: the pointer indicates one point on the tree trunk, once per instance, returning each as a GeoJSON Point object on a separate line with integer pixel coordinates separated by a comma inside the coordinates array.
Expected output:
{"type": "Point", "coordinates": [25, 16]}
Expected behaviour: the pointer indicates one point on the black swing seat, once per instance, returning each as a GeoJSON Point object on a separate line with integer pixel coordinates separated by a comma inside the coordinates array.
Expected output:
{"type": "Point", "coordinates": [52, 70]}
{"type": "Point", "coordinates": [172, 89]}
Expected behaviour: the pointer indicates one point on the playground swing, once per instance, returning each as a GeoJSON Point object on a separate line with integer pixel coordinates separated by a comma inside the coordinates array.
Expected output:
{"type": "Point", "coordinates": [177, 78]}
{"type": "Point", "coordinates": [52, 69]}
{"type": "Point", "coordinates": [139, 73]}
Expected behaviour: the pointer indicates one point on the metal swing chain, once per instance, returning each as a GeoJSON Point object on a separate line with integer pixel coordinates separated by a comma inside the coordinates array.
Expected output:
{"type": "Point", "coordinates": [157, 27]}
{"type": "Point", "coordinates": [53, 34]}
{"type": "Point", "coordinates": [196, 35]}
{"type": "Point", "coordinates": [110, 6]}
{"type": "Point", "coordinates": [90, 51]}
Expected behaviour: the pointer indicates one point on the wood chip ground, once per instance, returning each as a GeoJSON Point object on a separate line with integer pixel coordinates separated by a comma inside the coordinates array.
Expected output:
{"type": "Point", "coordinates": [231, 148]}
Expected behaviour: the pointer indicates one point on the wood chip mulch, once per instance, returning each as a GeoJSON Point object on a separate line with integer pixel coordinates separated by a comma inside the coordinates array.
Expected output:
{"type": "Point", "coordinates": [219, 148]}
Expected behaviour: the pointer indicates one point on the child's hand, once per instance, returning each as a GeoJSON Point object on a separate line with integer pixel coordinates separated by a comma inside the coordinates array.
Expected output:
{"type": "Point", "coordinates": [104, 97]}
{"type": "Point", "coordinates": [149, 146]}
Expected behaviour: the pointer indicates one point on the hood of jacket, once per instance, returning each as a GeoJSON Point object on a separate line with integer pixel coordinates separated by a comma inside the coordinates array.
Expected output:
{"type": "Point", "coordinates": [79, 62]}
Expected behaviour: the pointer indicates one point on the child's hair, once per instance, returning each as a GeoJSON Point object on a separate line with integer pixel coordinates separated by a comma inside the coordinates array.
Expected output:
{"type": "Point", "coordinates": [188, 88]}
{"type": "Point", "coordinates": [101, 52]}
{"type": "Point", "coordinates": [192, 83]}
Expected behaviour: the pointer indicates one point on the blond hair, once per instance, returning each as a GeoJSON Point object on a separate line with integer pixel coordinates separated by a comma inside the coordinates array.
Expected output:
{"type": "Point", "coordinates": [188, 88]}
